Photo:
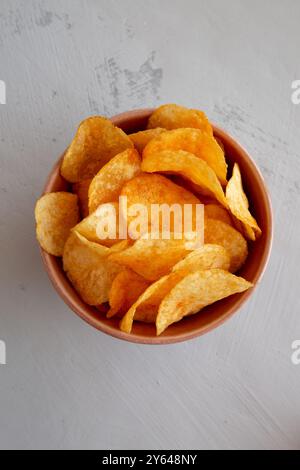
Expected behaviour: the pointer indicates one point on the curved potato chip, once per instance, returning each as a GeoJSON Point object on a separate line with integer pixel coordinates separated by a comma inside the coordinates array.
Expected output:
{"type": "Point", "coordinates": [219, 233]}
{"type": "Point", "coordinates": [249, 232]}
{"type": "Point", "coordinates": [146, 189]}
{"type": "Point", "coordinates": [107, 184]}
{"type": "Point", "coordinates": [89, 268]}
{"type": "Point", "coordinates": [194, 292]}
{"type": "Point", "coordinates": [190, 167]}
{"type": "Point", "coordinates": [214, 211]}
{"type": "Point", "coordinates": [244, 229]}
{"type": "Point", "coordinates": [149, 301]}
{"type": "Point", "coordinates": [96, 141]}
{"type": "Point", "coordinates": [126, 288]}
{"type": "Point", "coordinates": [173, 116]}
{"type": "Point", "coordinates": [88, 226]}
{"type": "Point", "coordinates": [206, 257]}
{"type": "Point", "coordinates": [220, 142]}
{"type": "Point", "coordinates": [193, 141]}
{"type": "Point", "coordinates": [239, 205]}
{"type": "Point", "coordinates": [55, 215]}
{"type": "Point", "coordinates": [82, 190]}
{"type": "Point", "coordinates": [142, 138]}
{"type": "Point", "coordinates": [152, 258]}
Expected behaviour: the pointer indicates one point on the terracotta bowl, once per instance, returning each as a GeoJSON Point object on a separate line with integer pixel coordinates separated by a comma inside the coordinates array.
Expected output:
{"type": "Point", "coordinates": [211, 316]}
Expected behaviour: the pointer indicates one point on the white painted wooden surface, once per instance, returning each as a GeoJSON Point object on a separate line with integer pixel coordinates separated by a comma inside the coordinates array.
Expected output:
{"type": "Point", "coordinates": [66, 385]}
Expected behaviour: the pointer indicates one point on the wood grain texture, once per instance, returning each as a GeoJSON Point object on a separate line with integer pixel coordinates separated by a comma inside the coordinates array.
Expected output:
{"type": "Point", "coordinates": [66, 385]}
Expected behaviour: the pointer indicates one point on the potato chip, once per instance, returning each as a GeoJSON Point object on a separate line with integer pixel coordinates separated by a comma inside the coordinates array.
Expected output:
{"type": "Point", "coordinates": [220, 142]}
{"type": "Point", "coordinates": [82, 190]}
{"type": "Point", "coordinates": [193, 141]}
{"type": "Point", "coordinates": [219, 233]}
{"type": "Point", "coordinates": [88, 226]}
{"type": "Point", "coordinates": [89, 268]}
{"type": "Point", "coordinates": [148, 248]}
{"type": "Point", "coordinates": [96, 141]}
{"type": "Point", "coordinates": [249, 232]}
{"type": "Point", "coordinates": [244, 229]}
{"type": "Point", "coordinates": [190, 167]}
{"type": "Point", "coordinates": [152, 259]}
{"type": "Point", "coordinates": [239, 205]}
{"type": "Point", "coordinates": [146, 189]}
{"type": "Point", "coordinates": [173, 116]}
{"type": "Point", "coordinates": [146, 307]}
{"type": "Point", "coordinates": [55, 215]}
{"type": "Point", "coordinates": [126, 288]}
{"type": "Point", "coordinates": [215, 211]}
{"type": "Point", "coordinates": [196, 291]}
{"type": "Point", "coordinates": [107, 184]}
{"type": "Point", "coordinates": [206, 257]}
{"type": "Point", "coordinates": [145, 313]}
{"type": "Point", "coordinates": [147, 304]}
{"type": "Point", "coordinates": [142, 138]}
{"type": "Point", "coordinates": [156, 189]}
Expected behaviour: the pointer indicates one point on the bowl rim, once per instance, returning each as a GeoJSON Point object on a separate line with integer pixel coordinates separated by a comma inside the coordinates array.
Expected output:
{"type": "Point", "coordinates": [51, 266]}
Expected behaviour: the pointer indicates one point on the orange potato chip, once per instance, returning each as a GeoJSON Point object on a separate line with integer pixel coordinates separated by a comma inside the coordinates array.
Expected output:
{"type": "Point", "coordinates": [215, 211]}
{"type": "Point", "coordinates": [146, 189]}
{"type": "Point", "coordinates": [206, 257]}
{"type": "Point", "coordinates": [249, 232]}
{"type": "Point", "coordinates": [239, 205]}
{"type": "Point", "coordinates": [193, 141]}
{"type": "Point", "coordinates": [89, 268]}
{"type": "Point", "coordinates": [156, 189]}
{"type": "Point", "coordinates": [152, 259]}
{"type": "Point", "coordinates": [82, 190]}
{"type": "Point", "coordinates": [244, 229]}
{"type": "Point", "coordinates": [219, 233]}
{"type": "Point", "coordinates": [173, 116]}
{"type": "Point", "coordinates": [155, 273]}
{"type": "Point", "coordinates": [142, 138]}
{"type": "Point", "coordinates": [88, 226]}
{"type": "Point", "coordinates": [126, 288]}
{"type": "Point", "coordinates": [190, 167]}
{"type": "Point", "coordinates": [194, 292]}
{"type": "Point", "coordinates": [96, 141]}
{"type": "Point", "coordinates": [55, 215]}
{"type": "Point", "coordinates": [107, 184]}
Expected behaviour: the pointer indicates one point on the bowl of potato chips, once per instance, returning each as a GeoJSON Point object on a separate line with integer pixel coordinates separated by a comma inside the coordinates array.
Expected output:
{"type": "Point", "coordinates": [155, 226]}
